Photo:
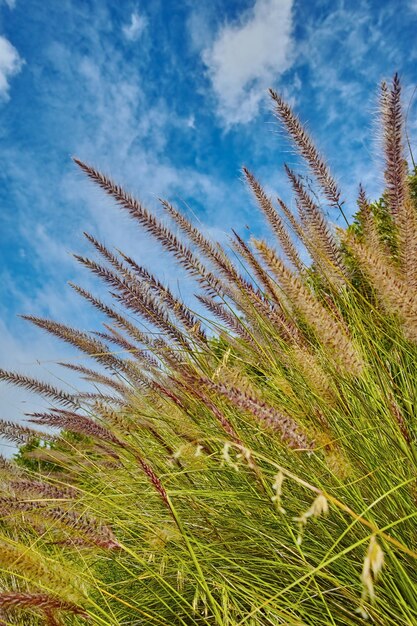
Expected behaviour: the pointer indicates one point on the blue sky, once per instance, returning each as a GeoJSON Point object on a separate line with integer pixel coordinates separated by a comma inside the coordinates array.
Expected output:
{"type": "Point", "coordinates": [169, 97]}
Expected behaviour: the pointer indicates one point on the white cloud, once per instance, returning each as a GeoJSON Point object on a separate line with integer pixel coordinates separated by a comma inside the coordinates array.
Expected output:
{"type": "Point", "coordinates": [200, 25]}
{"type": "Point", "coordinates": [10, 3]}
{"type": "Point", "coordinates": [10, 65]}
{"type": "Point", "coordinates": [135, 28]}
{"type": "Point", "coordinates": [245, 58]}
{"type": "Point", "coordinates": [190, 122]}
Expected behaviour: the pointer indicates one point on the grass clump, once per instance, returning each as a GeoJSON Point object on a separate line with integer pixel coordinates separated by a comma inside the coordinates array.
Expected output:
{"type": "Point", "coordinates": [252, 466]}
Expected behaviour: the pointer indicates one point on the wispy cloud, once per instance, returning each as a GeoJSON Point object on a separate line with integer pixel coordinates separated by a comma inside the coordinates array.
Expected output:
{"type": "Point", "coordinates": [134, 29]}
{"type": "Point", "coordinates": [10, 3]}
{"type": "Point", "coordinates": [10, 65]}
{"type": "Point", "coordinates": [247, 56]}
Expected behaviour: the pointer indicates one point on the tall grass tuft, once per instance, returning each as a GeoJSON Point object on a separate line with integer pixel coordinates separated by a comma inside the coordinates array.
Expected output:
{"type": "Point", "coordinates": [250, 462]}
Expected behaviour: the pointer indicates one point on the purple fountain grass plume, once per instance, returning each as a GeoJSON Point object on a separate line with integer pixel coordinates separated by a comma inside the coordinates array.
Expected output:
{"type": "Point", "coordinates": [395, 173]}
{"type": "Point", "coordinates": [314, 247]}
{"type": "Point", "coordinates": [363, 202]}
{"type": "Point", "coordinates": [291, 433]}
{"type": "Point", "coordinates": [121, 321]}
{"type": "Point", "coordinates": [391, 288]}
{"type": "Point", "coordinates": [250, 300]}
{"type": "Point", "coordinates": [103, 272]}
{"type": "Point", "coordinates": [310, 236]}
{"type": "Point", "coordinates": [44, 389]}
{"type": "Point", "coordinates": [370, 229]}
{"type": "Point", "coordinates": [130, 328]}
{"type": "Point", "coordinates": [276, 297]}
{"type": "Point", "coordinates": [113, 336]}
{"type": "Point", "coordinates": [90, 346]}
{"type": "Point", "coordinates": [327, 328]}
{"type": "Point", "coordinates": [59, 418]}
{"type": "Point", "coordinates": [384, 102]}
{"type": "Point", "coordinates": [366, 217]}
{"type": "Point", "coordinates": [168, 393]}
{"type": "Point", "coordinates": [168, 240]}
{"type": "Point", "coordinates": [230, 319]}
{"type": "Point", "coordinates": [144, 303]}
{"type": "Point", "coordinates": [392, 129]}
{"type": "Point", "coordinates": [265, 281]}
{"type": "Point", "coordinates": [47, 490]}
{"type": "Point", "coordinates": [21, 435]}
{"type": "Point", "coordinates": [175, 305]}
{"type": "Point", "coordinates": [11, 505]}
{"type": "Point", "coordinates": [154, 480]}
{"type": "Point", "coordinates": [192, 386]}
{"type": "Point", "coordinates": [316, 224]}
{"type": "Point", "coordinates": [87, 396]}
{"type": "Point", "coordinates": [292, 221]}
{"type": "Point", "coordinates": [158, 347]}
{"type": "Point", "coordinates": [169, 355]}
{"type": "Point", "coordinates": [287, 329]}
{"type": "Point", "coordinates": [139, 299]}
{"type": "Point", "coordinates": [95, 532]}
{"type": "Point", "coordinates": [136, 371]}
{"type": "Point", "coordinates": [142, 272]}
{"type": "Point", "coordinates": [40, 601]}
{"type": "Point", "coordinates": [81, 340]}
{"type": "Point", "coordinates": [274, 220]}
{"type": "Point", "coordinates": [97, 377]}
{"type": "Point", "coordinates": [214, 253]}
{"type": "Point", "coordinates": [109, 256]}
{"type": "Point", "coordinates": [406, 221]}
{"type": "Point", "coordinates": [262, 311]}
{"type": "Point", "coordinates": [308, 151]}
{"type": "Point", "coordinates": [297, 227]}
{"type": "Point", "coordinates": [119, 419]}
{"type": "Point", "coordinates": [279, 314]}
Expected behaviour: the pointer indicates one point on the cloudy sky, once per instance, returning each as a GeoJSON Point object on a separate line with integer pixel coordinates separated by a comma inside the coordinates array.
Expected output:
{"type": "Point", "coordinates": [169, 97]}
